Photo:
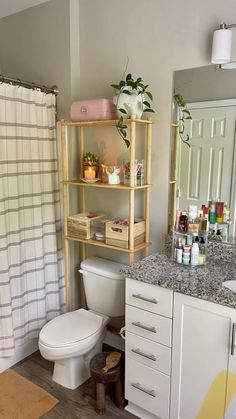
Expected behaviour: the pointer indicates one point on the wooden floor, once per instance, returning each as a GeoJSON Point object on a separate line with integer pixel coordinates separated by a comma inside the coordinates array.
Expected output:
{"type": "Point", "coordinates": [73, 404]}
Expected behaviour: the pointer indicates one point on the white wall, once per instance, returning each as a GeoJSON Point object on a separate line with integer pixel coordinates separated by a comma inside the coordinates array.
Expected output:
{"type": "Point", "coordinates": [158, 37]}
{"type": "Point", "coordinates": [35, 46]}
{"type": "Point", "coordinates": [82, 45]}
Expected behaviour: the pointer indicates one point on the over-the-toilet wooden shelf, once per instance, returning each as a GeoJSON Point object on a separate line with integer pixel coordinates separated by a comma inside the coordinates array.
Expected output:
{"type": "Point", "coordinates": [103, 185]}
{"type": "Point", "coordinates": [67, 182]}
{"type": "Point", "coordinates": [104, 123]}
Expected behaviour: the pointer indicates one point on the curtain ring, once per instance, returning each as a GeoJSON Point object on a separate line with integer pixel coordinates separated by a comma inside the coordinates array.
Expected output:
{"type": "Point", "coordinates": [20, 83]}
{"type": "Point", "coordinates": [1, 77]}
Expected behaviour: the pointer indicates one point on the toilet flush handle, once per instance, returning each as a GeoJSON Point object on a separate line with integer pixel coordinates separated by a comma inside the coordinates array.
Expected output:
{"type": "Point", "coordinates": [122, 332]}
{"type": "Point", "coordinates": [83, 272]}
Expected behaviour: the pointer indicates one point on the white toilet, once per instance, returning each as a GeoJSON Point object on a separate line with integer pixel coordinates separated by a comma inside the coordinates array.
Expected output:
{"type": "Point", "coordinates": [72, 339]}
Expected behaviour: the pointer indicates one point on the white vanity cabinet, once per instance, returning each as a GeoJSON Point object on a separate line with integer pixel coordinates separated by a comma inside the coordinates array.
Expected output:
{"type": "Point", "coordinates": [148, 349]}
{"type": "Point", "coordinates": [203, 384]}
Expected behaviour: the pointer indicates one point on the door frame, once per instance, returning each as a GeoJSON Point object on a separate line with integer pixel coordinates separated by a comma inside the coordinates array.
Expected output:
{"type": "Point", "coordinates": [218, 104]}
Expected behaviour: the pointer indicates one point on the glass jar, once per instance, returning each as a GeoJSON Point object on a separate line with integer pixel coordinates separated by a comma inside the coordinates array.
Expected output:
{"type": "Point", "coordinates": [138, 172]}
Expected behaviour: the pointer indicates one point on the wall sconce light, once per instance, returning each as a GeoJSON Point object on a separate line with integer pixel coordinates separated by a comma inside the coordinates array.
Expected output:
{"type": "Point", "coordinates": [221, 47]}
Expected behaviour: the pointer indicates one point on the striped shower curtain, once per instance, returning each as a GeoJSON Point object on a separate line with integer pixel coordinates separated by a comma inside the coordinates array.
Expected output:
{"type": "Point", "coordinates": [31, 266]}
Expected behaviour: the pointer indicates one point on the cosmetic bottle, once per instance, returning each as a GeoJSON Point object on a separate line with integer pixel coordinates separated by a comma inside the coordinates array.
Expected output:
{"type": "Point", "coordinates": [226, 213]}
{"type": "Point", "coordinates": [183, 222]}
{"type": "Point", "coordinates": [202, 251]}
{"type": "Point", "coordinates": [193, 226]}
{"type": "Point", "coordinates": [218, 236]}
{"type": "Point", "coordinates": [212, 214]}
{"type": "Point", "coordinates": [178, 214]}
{"type": "Point", "coordinates": [186, 254]}
{"type": "Point", "coordinates": [179, 254]}
{"type": "Point", "coordinates": [195, 254]}
{"type": "Point", "coordinates": [219, 207]}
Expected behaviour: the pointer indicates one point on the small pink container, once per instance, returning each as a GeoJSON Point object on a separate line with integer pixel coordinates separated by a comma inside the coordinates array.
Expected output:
{"type": "Point", "coordinates": [92, 110]}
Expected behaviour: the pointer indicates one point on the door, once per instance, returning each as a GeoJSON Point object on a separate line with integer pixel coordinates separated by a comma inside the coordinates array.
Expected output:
{"type": "Point", "coordinates": [205, 168]}
{"type": "Point", "coordinates": [201, 334]}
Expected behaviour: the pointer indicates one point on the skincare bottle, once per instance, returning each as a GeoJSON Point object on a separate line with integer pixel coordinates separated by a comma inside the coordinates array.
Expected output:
{"type": "Point", "coordinates": [193, 226]}
{"type": "Point", "coordinates": [212, 214]}
{"type": "Point", "coordinates": [183, 222]}
{"type": "Point", "coordinates": [202, 251]}
{"type": "Point", "coordinates": [179, 254]}
{"type": "Point", "coordinates": [218, 235]}
{"type": "Point", "coordinates": [195, 254]}
{"type": "Point", "coordinates": [178, 214]}
{"type": "Point", "coordinates": [219, 206]}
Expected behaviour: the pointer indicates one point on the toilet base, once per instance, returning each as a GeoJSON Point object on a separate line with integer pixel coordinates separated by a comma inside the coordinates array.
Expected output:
{"type": "Point", "coordinates": [73, 372]}
{"type": "Point", "coordinates": [70, 373]}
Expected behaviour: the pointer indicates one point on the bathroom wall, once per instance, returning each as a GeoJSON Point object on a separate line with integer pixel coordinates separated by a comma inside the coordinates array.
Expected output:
{"type": "Point", "coordinates": [158, 37]}
{"type": "Point", "coordinates": [82, 46]}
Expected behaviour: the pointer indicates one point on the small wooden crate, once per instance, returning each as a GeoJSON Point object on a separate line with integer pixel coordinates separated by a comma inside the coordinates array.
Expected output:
{"type": "Point", "coordinates": [80, 225]}
{"type": "Point", "coordinates": [118, 235]}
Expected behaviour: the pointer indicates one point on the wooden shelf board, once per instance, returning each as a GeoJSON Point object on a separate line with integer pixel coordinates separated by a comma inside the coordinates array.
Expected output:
{"type": "Point", "coordinates": [104, 123]}
{"type": "Point", "coordinates": [100, 184]}
{"type": "Point", "coordinates": [108, 246]}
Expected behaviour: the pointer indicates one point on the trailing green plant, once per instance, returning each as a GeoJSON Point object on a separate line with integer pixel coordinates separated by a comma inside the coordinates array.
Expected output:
{"type": "Point", "coordinates": [128, 87]}
{"type": "Point", "coordinates": [90, 159]}
{"type": "Point", "coordinates": [184, 114]}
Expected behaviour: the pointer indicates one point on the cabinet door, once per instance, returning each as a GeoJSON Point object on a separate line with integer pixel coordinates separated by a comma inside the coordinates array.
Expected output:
{"type": "Point", "coordinates": [230, 408]}
{"type": "Point", "coordinates": [201, 336]}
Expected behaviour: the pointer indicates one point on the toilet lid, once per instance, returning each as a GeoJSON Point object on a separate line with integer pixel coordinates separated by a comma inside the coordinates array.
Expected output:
{"type": "Point", "coordinates": [70, 328]}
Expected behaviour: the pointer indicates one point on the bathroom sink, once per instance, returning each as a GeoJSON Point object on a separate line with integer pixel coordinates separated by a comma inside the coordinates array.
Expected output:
{"type": "Point", "coordinates": [231, 284]}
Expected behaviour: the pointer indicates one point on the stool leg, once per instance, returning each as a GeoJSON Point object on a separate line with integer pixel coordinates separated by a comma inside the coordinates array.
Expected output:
{"type": "Point", "coordinates": [100, 398]}
{"type": "Point", "coordinates": [119, 399]}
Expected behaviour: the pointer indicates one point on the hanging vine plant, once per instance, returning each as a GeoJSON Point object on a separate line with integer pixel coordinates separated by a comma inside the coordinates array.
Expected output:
{"type": "Point", "coordinates": [184, 115]}
{"type": "Point", "coordinates": [132, 99]}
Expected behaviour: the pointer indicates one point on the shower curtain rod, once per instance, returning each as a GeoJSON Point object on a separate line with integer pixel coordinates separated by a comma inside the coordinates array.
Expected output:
{"type": "Point", "coordinates": [29, 84]}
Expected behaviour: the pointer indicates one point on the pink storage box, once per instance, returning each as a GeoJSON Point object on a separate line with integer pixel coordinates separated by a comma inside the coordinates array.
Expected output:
{"type": "Point", "coordinates": [92, 110]}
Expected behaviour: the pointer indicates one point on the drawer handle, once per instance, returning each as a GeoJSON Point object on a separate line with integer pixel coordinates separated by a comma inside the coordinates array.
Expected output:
{"type": "Point", "coordinates": [143, 326]}
{"type": "Point", "coordinates": [139, 352]}
{"type": "Point", "coordinates": [145, 390]}
{"type": "Point", "coordinates": [149, 300]}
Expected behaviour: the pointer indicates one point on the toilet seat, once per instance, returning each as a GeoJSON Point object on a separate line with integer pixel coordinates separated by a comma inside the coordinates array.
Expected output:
{"type": "Point", "coordinates": [69, 329]}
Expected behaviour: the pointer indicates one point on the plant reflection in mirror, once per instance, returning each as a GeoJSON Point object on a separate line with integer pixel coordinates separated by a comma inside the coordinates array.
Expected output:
{"type": "Point", "coordinates": [184, 114]}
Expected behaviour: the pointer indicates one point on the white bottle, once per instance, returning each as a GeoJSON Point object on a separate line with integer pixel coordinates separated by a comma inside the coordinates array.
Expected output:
{"type": "Point", "coordinates": [195, 254]}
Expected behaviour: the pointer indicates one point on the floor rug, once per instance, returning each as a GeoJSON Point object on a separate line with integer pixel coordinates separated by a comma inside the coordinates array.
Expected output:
{"type": "Point", "coordinates": [21, 399]}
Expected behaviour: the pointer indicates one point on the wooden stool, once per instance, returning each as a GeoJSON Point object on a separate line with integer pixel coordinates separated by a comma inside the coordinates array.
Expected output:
{"type": "Point", "coordinates": [102, 378]}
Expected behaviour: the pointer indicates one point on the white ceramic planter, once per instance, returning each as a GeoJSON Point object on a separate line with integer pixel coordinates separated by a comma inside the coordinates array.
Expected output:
{"type": "Point", "coordinates": [133, 105]}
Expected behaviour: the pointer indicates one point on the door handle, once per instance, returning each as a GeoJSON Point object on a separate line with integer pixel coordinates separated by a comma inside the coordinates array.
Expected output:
{"type": "Point", "coordinates": [233, 346]}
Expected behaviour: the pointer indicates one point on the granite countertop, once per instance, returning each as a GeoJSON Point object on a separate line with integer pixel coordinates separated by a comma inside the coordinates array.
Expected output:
{"type": "Point", "coordinates": [203, 282]}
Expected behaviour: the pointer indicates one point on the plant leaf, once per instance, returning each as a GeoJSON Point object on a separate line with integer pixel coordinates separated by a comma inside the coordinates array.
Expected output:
{"type": "Point", "coordinates": [188, 117]}
{"type": "Point", "coordinates": [128, 77]}
{"type": "Point", "coordinates": [127, 92]}
{"type": "Point", "coordinates": [146, 104]}
{"type": "Point", "coordinates": [186, 111]}
{"type": "Point", "coordinates": [149, 95]}
{"type": "Point", "coordinates": [148, 110]}
{"type": "Point", "coordinates": [127, 143]}
{"type": "Point", "coordinates": [122, 110]}
{"type": "Point", "coordinates": [115, 86]}
{"type": "Point", "coordinates": [122, 83]}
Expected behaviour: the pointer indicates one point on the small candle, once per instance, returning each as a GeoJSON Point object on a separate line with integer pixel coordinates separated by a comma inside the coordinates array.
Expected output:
{"type": "Point", "coordinates": [90, 173]}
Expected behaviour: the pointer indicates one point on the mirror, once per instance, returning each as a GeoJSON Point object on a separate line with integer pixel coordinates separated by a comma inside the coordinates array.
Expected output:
{"type": "Point", "coordinates": [204, 170]}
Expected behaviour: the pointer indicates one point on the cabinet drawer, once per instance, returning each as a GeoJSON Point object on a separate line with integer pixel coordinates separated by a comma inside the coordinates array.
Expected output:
{"type": "Point", "coordinates": [148, 353]}
{"type": "Point", "coordinates": [148, 325]}
{"type": "Point", "coordinates": [149, 297]}
{"type": "Point", "coordinates": [147, 388]}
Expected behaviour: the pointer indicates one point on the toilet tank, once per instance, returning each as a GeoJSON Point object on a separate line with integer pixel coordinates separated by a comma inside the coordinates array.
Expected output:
{"type": "Point", "coordinates": [104, 286]}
